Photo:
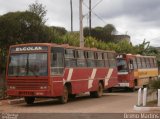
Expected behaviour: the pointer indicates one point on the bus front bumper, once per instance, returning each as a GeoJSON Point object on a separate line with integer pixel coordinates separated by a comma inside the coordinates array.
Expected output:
{"type": "Point", "coordinates": [25, 93]}
{"type": "Point", "coordinates": [122, 85]}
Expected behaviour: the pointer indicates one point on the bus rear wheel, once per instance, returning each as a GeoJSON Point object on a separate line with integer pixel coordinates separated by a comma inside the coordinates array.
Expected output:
{"type": "Point", "coordinates": [72, 96]}
{"type": "Point", "coordinates": [29, 100]}
{"type": "Point", "coordinates": [97, 93]}
{"type": "Point", "coordinates": [64, 98]}
{"type": "Point", "coordinates": [132, 89]}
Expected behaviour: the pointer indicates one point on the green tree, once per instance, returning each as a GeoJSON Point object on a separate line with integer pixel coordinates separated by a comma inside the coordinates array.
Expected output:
{"type": "Point", "coordinates": [57, 34]}
{"type": "Point", "coordinates": [90, 42]}
{"type": "Point", "coordinates": [105, 33]}
{"type": "Point", "coordinates": [71, 39]}
{"type": "Point", "coordinates": [143, 47]}
{"type": "Point", "coordinates": [39, 9]}
{"type": "Point", "coordinates": [125, 47]}
{"type": "Point", "coordinates": [21, 27]}
{"type": "Point", "coordinates": [154, 85]}
{"type": "Point", "coordinates": [109, 29]}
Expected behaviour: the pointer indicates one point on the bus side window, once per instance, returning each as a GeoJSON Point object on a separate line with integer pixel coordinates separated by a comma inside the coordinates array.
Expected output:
{"type": "Point", "coordinates": [106, 59]}
{"type": "Point", "coordinates": [147, 63]}
{"type": "Point", "coordinates": [57, 61]}
{"type": "Point", "coordinates": [151, 62]}
{"type": "Point", "coordinates": [70, 60]}
{"type": "Point", "coordinates": [112, 59]}
{"type": "Point", "coordinates": [81, 62]}
{"type": "Point", "coordinates": [155, 62]}
{"type": "Point", "coordinates": [143, 62]}
{"type": "Point", "coordinates": [131, 64]}
{"type": "Point", "coordinates": [139, 62]}
{"type": "Point", "coordinates": [90, 59]}
{"type": "Point", "coordinates": [99, 59]}
{"type": "Point", "coordinates": [135, 63]}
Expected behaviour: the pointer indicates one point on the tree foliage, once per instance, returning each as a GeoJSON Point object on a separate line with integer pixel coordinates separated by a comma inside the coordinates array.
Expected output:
{"type": "Point", "coordinates": [21, 27]}
{"type": "Point", "coordinates": [71, 39]}
{"type": "Point", "coordinates": [154, 85]}
{"type": "Point", "coordinates": [39, 9]}
{"type": "Point", "coordinates": [143, 48]}
{"type": "Point", "coordinates": [105, 33]}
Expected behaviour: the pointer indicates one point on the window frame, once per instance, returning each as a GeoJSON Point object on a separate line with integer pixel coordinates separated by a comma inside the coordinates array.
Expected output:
{"type": "Point", "coordinates": [63, 65]}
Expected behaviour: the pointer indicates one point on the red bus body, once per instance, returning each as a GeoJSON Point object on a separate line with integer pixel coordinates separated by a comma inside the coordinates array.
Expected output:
{"type": "Point", "coordinates": [80, 79]}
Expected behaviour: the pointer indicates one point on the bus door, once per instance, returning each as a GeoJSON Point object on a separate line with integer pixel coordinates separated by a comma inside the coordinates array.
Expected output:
{"type": "Point", "coordinates": [131, 73]}
{"type": "Point", "coordinates": [57, 70]}
{"type": "Point", "coordinates": [122, 72]}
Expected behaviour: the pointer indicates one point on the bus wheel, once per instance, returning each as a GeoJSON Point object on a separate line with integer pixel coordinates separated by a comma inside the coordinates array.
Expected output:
{"type": "Point", "coordinates": [97, 93]}
{"type": "Point", "coordinates": [72, 96]}
{"type": "Point", "coordinates": [110, 90]}
{"type": "Point", "coordinates": [29, 100]}
{"type": "Point", "coordinates": [64, 98]}
{"type": "Point", "coordinates": [132, 89]}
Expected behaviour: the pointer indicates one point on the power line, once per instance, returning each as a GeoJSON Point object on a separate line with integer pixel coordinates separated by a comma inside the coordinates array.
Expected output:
{"type": "Point", "coordinates": [94, 12]}
{"type": "Point", "coordinates": [99, 17]}
{"type": "Point", "coordinates": [96, 4]}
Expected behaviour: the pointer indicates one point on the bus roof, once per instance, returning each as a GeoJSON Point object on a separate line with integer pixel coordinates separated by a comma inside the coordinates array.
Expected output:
{"type": "Point", "coordinates": [138, 55]}
{"type": "Point", "coordinates": [59, 45]}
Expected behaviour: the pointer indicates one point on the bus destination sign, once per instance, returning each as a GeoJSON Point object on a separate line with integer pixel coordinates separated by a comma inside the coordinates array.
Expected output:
{"type": "Point", "coordinates": [28, 48]}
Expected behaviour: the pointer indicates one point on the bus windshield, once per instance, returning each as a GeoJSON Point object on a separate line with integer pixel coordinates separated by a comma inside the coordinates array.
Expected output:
{"type": "Point", "coordinates": [122, 65]}
{"type": "Point", "coordinates": [30, 64]}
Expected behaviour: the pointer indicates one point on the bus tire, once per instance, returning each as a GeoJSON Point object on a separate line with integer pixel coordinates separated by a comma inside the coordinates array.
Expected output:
{"type": "Point", "coordinates": [110, 90]}
{"type": "Point", "coordinates": [64, 98]}
{"type": "Point", "coordinates": [98, 93]}
{"type": "Point", "coordinates": [92, 94]}
{"type": "Point", "coordinates": [29, 100]}
{"type": "Point", "coordinates": [132, 89]}
{"type": "Point", "coordinates": [72, 96]}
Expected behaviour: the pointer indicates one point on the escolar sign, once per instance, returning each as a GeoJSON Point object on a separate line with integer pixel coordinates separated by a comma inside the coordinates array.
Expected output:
{"type": "Point", "coordinates": [29, 48]}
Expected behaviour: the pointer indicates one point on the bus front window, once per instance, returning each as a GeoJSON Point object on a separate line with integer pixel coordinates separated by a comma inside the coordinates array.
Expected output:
{"type": "Point", "coordinates": [122, 65]}
{"type": "Point", "coordinates": [32, 64]}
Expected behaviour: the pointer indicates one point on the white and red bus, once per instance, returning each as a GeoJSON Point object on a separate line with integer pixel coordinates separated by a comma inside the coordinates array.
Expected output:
{"type": "Point", "coordinates": [50, 70]}
{"type": "Point", "coordinates": [135, 71]}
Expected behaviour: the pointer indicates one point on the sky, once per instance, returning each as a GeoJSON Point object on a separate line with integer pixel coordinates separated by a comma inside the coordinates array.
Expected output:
{"type": "Point", "coordinates": [139, 19]}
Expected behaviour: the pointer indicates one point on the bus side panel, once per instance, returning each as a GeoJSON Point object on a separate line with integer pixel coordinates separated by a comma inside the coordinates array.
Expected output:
{"type": "Point", "coordinates": [58, 83]}
{"type": "Point", "coordinates": [57, 87]}
{"type": "Point", "coordinates": [143, 73]}
{"type": "Point", "coordinates": [80, 79]}
{"type": "Point", "coordinates": [83, 79]}
{"type": "Point", "coordinates": [100, 75]}
{"type": "Point", "coordinates": [113, 79]}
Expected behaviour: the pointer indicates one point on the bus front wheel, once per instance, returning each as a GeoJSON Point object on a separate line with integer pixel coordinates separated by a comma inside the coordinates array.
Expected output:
{"type": "Point", "coordinates": [97, 93]}
{"type": "Point", "coordinates": [64, 98]}
{"type": "Point", "coordinates": [29, 100]}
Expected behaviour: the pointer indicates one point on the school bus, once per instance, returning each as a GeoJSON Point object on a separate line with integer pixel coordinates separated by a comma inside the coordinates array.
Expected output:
{"type": "Point", "coordinates": [135, 71]}
{"type": "Point", "coordinates": [49, 70]}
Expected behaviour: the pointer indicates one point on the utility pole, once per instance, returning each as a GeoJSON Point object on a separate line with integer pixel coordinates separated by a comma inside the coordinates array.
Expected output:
{"type": "Point", "coordinates": [90, 17]}
{"type": "Point", "coordinates": [81, 24]}
{"type": "Point", "coordinates": [71, 16]}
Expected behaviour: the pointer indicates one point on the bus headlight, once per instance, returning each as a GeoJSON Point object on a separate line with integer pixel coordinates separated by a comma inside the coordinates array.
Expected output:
{"type": "Point", "coordinates": [12, 87]}
{"type": "Point", "coordinates": [43, 87]}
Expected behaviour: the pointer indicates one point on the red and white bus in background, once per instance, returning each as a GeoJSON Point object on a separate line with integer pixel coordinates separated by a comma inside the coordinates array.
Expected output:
{"type": "Point", "coordinates": [50, 70]}
{"type": "Point", "coordinates": [135, 71]}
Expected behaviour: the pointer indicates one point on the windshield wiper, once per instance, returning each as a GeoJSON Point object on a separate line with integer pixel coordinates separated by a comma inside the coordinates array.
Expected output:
{"type": "Point", "coordinates": [34, 73]}
{"type": "Point", "coordinates": [29, 68]}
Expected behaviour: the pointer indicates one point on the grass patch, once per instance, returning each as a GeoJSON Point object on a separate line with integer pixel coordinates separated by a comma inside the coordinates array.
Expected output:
{"type": "Point", "coordinates": [152, 103]}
